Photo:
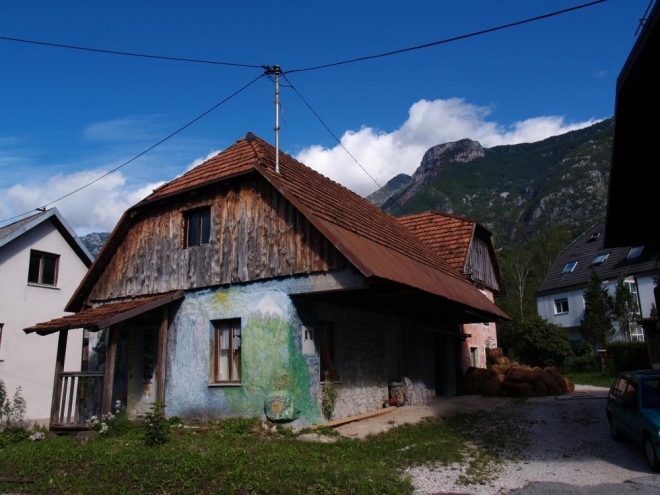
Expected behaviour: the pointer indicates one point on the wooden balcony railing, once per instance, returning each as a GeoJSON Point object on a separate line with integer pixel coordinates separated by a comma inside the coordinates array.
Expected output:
{"type": "Point", "coordinates": [79, 399]}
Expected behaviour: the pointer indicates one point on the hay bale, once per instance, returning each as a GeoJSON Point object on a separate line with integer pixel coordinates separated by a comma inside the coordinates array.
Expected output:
{"type": "Point", "coordinates": [501, 369]}
{"type": "Point", "coordinates": [570, 386]}
{"type": "Point", "coordinates": [505, 361]}
{"type": "Point", "coordinates": [522, 389]}
{"type": "Point", "coordinates": [478, 381]}
{"type": "Point", "coordinates": [551, 385]}
{"type": "Point", "coordinates": [520, 374]}
{"type": "Point", "coordinates": [495, 352]}
{"type": "Point", "coordinates": [561, 383]}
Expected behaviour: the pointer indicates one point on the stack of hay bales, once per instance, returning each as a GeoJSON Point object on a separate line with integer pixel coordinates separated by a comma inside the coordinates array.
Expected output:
{"type": "Point", "coordinates": [508, 378]}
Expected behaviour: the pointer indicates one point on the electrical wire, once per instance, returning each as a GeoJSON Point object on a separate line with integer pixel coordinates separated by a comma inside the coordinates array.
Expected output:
{"type": "Point", "coordinates": [290, 85]}
{"type": "Point", "coordinates": [644, 18]}
{"type": "Point", "coordinates": [142, 153]}
{"type": "Point", "coordinates": [447, 40]}
{"type": "Point", "coordinates": [127, 54]}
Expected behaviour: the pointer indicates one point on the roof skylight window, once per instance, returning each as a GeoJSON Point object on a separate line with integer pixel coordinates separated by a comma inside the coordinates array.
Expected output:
{"type": "Point", "coordinates": [635, 252]}
{"type": "Point", "coordinates": [599, 260]}
{"type": "Point", "coordinates": [594, 236]}
{"type": "Point", "coordinates": [570, 267]}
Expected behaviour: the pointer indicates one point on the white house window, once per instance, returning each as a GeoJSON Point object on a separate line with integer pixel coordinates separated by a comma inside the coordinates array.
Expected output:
{"type": "Point", "coordinates": [570, 267]}
{"type": "Point", "coordinates": [561, 306]}
{"type": "Point", "coordinates": [637, 334]}
{"type": "Point", "coordinates": [226, 352]}
{"type": "Point", "coordinates": [635, 252]}
{"type": "Point", "coordinates": [198, 226]}
{"type": "Point", "coordinates": [474, 357]}
{"type": "Point", "coordinates": [600, 259]}
{"type": "Point", "coordinates": [43, 268]}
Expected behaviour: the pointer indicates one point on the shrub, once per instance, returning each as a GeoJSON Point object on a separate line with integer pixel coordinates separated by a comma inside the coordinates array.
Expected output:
{"type": "Point", "coordinates": [155, 425]}
{"type": "Point", "coordinates": [542, 343]}
{"type": "Point", "coordinates": [12, 410]}
{"type": "Point", "coordinates": [628, 355]}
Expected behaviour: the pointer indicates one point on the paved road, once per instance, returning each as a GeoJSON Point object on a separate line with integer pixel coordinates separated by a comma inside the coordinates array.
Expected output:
{"type": "Point", "coordinates": [649, 484]}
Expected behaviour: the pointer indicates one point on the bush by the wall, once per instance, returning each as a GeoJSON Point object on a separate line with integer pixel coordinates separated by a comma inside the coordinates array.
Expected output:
{"type": "Point", "coordinates": [628, 355]}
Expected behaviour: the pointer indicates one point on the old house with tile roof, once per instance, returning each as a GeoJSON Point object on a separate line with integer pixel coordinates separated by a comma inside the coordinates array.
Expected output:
{"type": "Point", "coordinates": [42, 261]}
{"type": "Point", "coordinates": [560, 297]}
{"type": "Point", "coordinates": [468, 248]}
{"type": "Point", "coordinates": [238, 289]}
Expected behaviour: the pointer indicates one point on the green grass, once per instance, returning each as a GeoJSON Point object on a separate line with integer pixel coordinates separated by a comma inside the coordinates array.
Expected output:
{"type": "Point", "coordinates": [595, 378]}
{"type": "Point", "coordinates": [238, 456]}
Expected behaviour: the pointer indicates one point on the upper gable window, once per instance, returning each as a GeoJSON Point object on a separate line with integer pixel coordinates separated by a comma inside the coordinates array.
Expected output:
{"type": "Point", "coordinates": [599, 260]}
{"type": "Point", "coordinates": [570, 267]}
{"type": "Point", "coordinates": [561, 306]}
{"type": "Point", "coordinates": [198, 226]}
{"type": "Point", "coordinates": [43, 268]}
{"type": "Point", "coordinates": [635, 252]}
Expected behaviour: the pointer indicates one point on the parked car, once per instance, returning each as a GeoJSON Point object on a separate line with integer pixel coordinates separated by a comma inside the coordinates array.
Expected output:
{"type": "Point", "coordinates": [633, 410]}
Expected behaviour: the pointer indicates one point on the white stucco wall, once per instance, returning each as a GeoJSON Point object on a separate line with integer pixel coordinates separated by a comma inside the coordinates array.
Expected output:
{"type": "Point", "coordinates": [546, 308]}
{"type": "Point", "coordinates": [28, 361]}
{"type": "Point", "coordinates": [546, 304]}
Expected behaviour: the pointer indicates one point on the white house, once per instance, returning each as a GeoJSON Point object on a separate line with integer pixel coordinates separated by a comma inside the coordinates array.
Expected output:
{"type": "Point", "coordinates": [560, 297]}
{"type": "Point", "coordinates": [42, 261]}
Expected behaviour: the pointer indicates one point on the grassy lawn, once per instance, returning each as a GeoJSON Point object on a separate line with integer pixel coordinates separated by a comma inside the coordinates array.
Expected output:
{"type": "Point", "coordinates": [594, 378]}
{"type": "Point", "coordinates": [239, 456]}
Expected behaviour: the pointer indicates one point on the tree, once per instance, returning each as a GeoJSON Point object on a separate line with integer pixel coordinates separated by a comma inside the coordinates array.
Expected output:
{"type": "Point", "coordinates": [625, 309]}
{"type": "Point", "coordinates": [596, 326]}
{"type": "Point", "coordinates": [537, 342]}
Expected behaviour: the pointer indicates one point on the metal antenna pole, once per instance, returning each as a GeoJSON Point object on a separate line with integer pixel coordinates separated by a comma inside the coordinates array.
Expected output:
{"type": "Point", "coordinates": [276, 71]}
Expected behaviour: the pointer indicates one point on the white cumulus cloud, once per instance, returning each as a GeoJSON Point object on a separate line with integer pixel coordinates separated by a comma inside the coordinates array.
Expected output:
{"type": "Point", "coordinates": [384, 155]}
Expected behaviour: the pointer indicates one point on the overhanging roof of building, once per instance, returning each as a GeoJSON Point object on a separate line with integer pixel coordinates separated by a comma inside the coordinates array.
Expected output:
{"type": "Point", "coordinates": [372, 240]}
{"type": "Point", "coordinates": [633, 183]}
{"type": "Point", "coordinates": [584, 250]}
{"type": "Point", "coordinates": [105, 315]}
{"type": "Point", "coordinates": [14, 230]}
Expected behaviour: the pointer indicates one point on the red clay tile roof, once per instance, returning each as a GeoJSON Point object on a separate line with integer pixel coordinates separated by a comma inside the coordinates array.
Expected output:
{"type": "Point", "coordinates": [447, 235]}
{"type": "Point", "coordinates": [372, 240]}
{"type": "Point", "coordinates": [103, 316]}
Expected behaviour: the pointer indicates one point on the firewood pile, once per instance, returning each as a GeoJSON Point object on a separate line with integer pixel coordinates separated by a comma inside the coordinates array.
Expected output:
{"type": "Point", "coordinates": [507, 378]}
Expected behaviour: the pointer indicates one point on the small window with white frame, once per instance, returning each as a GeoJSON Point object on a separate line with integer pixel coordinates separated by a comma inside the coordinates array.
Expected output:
{"type": "Point", "coordinates": [569, 267]}
{"type": "Point", "coordinates": [635, 252]}
{"type": "Point", "coordinates": [561, 306]}
{"type": "Point", "coordinates": [43, 268]}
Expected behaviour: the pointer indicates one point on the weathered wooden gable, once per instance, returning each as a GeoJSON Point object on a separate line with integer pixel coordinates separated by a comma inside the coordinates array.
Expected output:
{"type": "Point", "coordinates": [255, 234]}
{"type": "Point", "coordinates": [480, 263]}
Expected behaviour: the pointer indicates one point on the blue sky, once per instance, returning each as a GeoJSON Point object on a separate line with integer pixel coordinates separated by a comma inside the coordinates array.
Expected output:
{"type": "Point", "coordinates": [67, 117]}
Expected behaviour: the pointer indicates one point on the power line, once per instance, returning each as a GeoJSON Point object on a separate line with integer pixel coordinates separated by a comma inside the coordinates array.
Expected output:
{"type": "Point", "coordinates": [340, 143]}
{"type": "Point", "coordinates": [448, 40]}
{"type": "Point", "coordinates": [143, 152]}
{"type": "Point", "coordinates": [127, 54]}
{"type": "Point", "coordinates": [644, 18]}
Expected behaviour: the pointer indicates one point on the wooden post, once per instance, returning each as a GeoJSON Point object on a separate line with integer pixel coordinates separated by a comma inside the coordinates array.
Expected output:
{"type": "Point", "coordinates": [57, 381]}
{"type": "Point", "coordinates": [109, 377]}
{"type": "Point", "coordinates": [162, 355]}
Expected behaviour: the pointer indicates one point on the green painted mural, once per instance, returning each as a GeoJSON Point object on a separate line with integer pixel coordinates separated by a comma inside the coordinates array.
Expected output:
{"type": "Point", "coordinates": [270, 360]}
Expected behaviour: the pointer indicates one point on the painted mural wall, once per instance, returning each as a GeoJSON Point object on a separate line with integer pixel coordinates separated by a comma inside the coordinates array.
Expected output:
{"type": "Point", "coordinates": [271, 354]}
{"type": "Point", "coordinates": [368, 352]}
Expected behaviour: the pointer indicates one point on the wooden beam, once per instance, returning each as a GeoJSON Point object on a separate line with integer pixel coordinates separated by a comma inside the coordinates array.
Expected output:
{"type": "Point", "coordinates": [57, 381]}
{"type": "Point", "coordinates": [162, 356]}
{"type": "Point", "coordinates": [350, 419]}
{"type": "Point", "coordinates": [109, 377]}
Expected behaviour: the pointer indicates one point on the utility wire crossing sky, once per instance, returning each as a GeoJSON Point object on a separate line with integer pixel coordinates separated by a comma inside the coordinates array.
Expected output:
{"type": "Point", "coordinates": [434, 114]}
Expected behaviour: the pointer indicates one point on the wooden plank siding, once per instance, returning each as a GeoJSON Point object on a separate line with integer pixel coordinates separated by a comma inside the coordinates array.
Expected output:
{"type": "Point", "coordinates": [481, 265]}
{"type": "Point", "coordinates": [255, 234]}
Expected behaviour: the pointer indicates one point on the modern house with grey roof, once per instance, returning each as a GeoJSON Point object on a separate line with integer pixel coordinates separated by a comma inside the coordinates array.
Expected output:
{"type": "Point", "coordinates": [560, 297]}
{"type": "Point", "coordinates": [42, 261]}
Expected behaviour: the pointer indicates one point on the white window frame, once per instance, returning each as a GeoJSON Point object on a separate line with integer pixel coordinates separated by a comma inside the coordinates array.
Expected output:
{"type": "Point", "coordinates": [569, 267]}
{"type": "Point", "coordinates": [559, 306]}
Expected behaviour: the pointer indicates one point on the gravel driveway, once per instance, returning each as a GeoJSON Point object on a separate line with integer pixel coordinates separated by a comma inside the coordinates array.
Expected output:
{"type": "Point", "coordinates": [551, 440]}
